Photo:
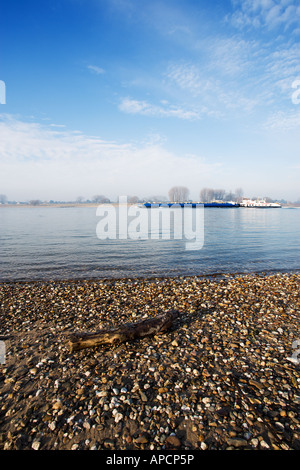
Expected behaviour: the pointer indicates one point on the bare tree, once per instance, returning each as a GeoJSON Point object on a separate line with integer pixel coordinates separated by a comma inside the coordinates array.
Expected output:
{"type": "Point", "coordinates": [178, 193]}
{"type": "Point", "coordinates": [80, 199]}
{"type": "Point", "coordinates": [207, 194]}
{"type": "Point", "coordinates": [133, 199]}
{"type": "Point", "coordinates": [229, 196]}
{"type": "Point", "coordinates": [99, 198]}
{"type": "Point", "coordinates": [35, 202]}
{"type": "Point", "coordinates": [157, 198]}
{"type": "Point", "coordinates": [239, 194]}
{"type": "Point", "coordinates": [203, 195]}
{"type": "Point", "coordinates": [219, 194]}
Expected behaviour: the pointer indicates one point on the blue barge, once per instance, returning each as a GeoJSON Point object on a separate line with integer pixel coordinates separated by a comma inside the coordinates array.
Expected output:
{"type": "Point", "coordinates": [191, 204]}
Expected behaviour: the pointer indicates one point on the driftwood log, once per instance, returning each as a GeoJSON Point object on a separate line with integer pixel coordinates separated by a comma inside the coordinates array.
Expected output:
{"type": "Point", "coordinates": [127, 332]}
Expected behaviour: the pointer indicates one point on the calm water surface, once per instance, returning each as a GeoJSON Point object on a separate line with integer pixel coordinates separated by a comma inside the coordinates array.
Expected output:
{"type": "Point", "coordinates": [61, 243]}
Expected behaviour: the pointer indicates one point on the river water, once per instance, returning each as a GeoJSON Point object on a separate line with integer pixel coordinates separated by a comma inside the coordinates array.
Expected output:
{"type": "Point", "coordinates": [43, 243]}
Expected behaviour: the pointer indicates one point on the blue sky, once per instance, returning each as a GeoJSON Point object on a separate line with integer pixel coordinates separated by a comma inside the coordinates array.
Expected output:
{"type": "Point", "coordinates": [135, 96]}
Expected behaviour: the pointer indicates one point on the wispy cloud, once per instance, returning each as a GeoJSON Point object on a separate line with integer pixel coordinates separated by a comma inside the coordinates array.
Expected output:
{"type": "Point", "coordinates": [223, 73]}
{"type": "Point", "coordinates": [189, 78]}
{"type": "Point", "coordinates": [95, 69]}
{"type": "Point", "coordinates": [266, 13]}
{"type": "Point", "coordinates": [41, 162]}
{"type": "Point", "coordinates": [131, 106]}
{"type": "Point", "coordinates": [283, 121]}
{"type": "Point", "coordinates": [212, 95]}
{"type": "Point", "coordinates": [232, 57]}
{"type": "Point", "coordinates": [238, 73]}
{"type": "Point", "coordinates": [283, 65]}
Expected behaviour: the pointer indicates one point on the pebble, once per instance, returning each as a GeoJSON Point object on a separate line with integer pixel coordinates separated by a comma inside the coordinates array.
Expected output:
{"type": "Point", "coordinates": [52, 425]}
{"type": "Point", "coordinates": [57, 405]}
{"type": "Point", "coordinates": [219, 378]}
{"type": "Point", "coordinates": [172, 442]}
{"type": "Point", "coordinates": [237, 442]}
{"type": "Point", "coordinates": [264, 445]}
{"type": "Point", "coordinates": [36, 445]}
{"type": "Point", "coordinates": [141, 440]}
{"type": "Point", "coordinates": [143, 396]}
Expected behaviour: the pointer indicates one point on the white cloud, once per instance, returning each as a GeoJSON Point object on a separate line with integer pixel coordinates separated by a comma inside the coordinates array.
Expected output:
{"type": "Point", "coordinates": [131, 106]}
{"type": "Point", "coordinates": [40, 162]}
{"type": "Point", "coordinates": [238, 74]}
{"type": "Point", "coordinates": [284, 121]}
{"type": "Point", "coordinates": [225, 74]}
{"type": "Point", "coordinates": [95, 69]}
{"type": "Point", "coordinates": [266, 13]}
{"type": "Point", "coordinates": [232, 57]}
{"type": "Point", "coordinates": [188, 77]}
{"type": "Point", "coordinates": [212, 94]}
{"type": "Point", "coordinates": [283, 65]}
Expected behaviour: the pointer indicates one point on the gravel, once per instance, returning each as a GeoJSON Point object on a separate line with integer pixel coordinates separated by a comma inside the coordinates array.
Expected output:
{"type": "Point", "coordinates": [225, 376]}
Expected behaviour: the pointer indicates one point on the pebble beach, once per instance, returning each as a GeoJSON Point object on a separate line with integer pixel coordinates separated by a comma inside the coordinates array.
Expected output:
{"type": "Point", "coordinates": [224, 376]}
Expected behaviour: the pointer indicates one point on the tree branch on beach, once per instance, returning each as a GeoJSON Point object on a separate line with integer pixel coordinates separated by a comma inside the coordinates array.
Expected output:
{"type": "Point", "coordinates": [127, 332]}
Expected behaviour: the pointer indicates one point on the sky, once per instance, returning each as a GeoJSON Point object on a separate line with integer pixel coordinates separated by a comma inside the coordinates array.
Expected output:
{"type": "Point", "coordinates": [132, 97]}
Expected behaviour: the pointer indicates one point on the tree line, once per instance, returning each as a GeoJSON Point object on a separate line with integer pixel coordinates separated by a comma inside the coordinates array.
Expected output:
{"type": "Point", "coordinates": [176, 194]}
{"type": "Point", "coordinates": [181, 193]}
{"type": "Point", "coordinates": [210, 194]}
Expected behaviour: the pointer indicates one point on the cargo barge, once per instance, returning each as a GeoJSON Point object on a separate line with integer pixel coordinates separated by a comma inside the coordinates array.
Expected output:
{"type": "Point", "coordinates": [191, 204]}
{"type": "Point", "coordinates": [258, 203]}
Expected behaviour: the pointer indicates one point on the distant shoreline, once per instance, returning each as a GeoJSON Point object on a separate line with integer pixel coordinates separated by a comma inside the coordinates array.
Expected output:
{"type": "Point", "coordinates": [90, 204]}
{"type": "Point", "coordinates": [62, 204]}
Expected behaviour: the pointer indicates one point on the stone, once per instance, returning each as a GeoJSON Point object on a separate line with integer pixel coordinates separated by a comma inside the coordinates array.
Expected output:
{"type": "Point", "coordinates": [172, 442]}
{"type": "Point", "coordinates": [264, 444]}
{"type": "Point", "coordinates": [118, 417]}
{"type": "Point", "coordinates": [143, 396]}
{"type": "Point", "coordinates": [141, 439]}
{"type": "Point", "coordinates": [52, 425]}
{"type": "Point", "coordinates": [57, 405]}
{"type": "Point", "coordinates": [35, 445]}
{"type": "Point", "coordinates": [236, 442]}
{"type": "Point", "coordinates": [245, 389]}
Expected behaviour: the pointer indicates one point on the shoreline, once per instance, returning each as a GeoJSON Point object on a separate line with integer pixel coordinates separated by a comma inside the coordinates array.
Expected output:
{"type": "Point", "coordinates": [96, 204]}
{"type": "Point", "coordinates": [60, 205]}
{"type": "Point", "coordinates": [173, 277]}
{"type": "Point", "coordinates": [221, 378]}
